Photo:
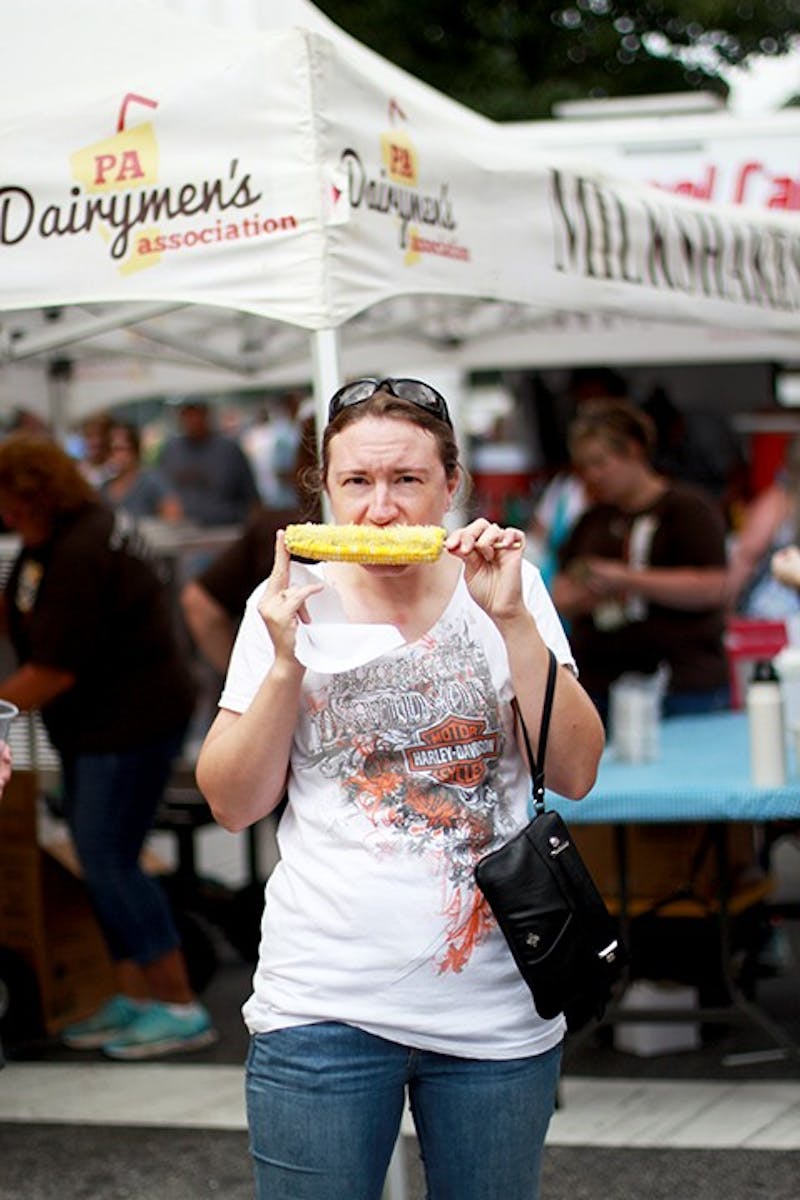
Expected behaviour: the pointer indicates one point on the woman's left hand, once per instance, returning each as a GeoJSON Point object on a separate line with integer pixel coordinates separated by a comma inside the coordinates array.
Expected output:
{"type": "Point", "coordinates": [492, 557]}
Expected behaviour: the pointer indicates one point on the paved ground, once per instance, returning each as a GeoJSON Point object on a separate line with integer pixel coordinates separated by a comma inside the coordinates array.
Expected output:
{"type": "Point", "coordinates": [718, 1123]}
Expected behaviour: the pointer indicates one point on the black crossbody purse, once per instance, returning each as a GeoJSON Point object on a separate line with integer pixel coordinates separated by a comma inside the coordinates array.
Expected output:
{"type": "Point", "coordinates": [563, 938]}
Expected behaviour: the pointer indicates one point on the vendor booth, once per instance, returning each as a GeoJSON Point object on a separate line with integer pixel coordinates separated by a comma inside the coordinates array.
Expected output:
{"type": "Point", "coordinates": [291, 175]}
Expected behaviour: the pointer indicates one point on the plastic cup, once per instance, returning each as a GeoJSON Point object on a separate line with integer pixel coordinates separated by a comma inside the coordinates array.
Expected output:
{"type": "Point", "coordinates": [7, 713]}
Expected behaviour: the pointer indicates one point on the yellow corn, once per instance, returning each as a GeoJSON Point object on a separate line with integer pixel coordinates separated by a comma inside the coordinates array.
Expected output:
{"type": "Point", "coordinates": [394, 544]}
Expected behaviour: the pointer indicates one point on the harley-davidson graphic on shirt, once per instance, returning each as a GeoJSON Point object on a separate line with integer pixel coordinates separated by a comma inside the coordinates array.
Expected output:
{"type": "Point", "coordinates": [414, 743]}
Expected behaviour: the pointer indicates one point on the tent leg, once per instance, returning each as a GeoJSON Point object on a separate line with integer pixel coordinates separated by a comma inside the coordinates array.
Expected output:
{"type": "Point", "coordinates": [59, 373]}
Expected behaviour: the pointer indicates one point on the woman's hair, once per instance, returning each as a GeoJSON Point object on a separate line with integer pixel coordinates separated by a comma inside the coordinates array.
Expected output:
{"type": "Point", "coordinates": [618, 423]}
{"type": "Point", "coordinates": [383, 404]}
{"type": "Point", "coordinates": [35, 469]}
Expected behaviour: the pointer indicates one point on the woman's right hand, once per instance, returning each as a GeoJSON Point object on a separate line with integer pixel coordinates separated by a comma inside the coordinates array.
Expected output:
{"type": "Point", "coordinates": [283, 604]}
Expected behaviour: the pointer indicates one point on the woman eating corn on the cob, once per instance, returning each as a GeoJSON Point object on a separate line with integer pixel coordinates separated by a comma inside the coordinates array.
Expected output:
{"type": "Point", "coordinates": [381, 969]}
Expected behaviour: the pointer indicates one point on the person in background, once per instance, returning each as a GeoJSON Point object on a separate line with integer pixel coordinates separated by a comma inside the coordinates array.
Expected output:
{"type": "Point", "coordinates": [771, 524]}
{"type": "Point", "coordinates": [272, 446]}
{"type": "Point", "coordinates": [93, 633]}
{"type": "Point", "coordinates": [213, 602]}
{"type": "Point", "coordinates": [379, 958]}
{"type": "Point", "coordinates": [137, 490]}
{"type": "Point", "coordinates": [207, 471]}
{"type": "Point", "coordinates": [642, 575]}
{"type": "Point", "coordinates": [95, 447]}
{"type": "Point", "coordinates": [565, 496]}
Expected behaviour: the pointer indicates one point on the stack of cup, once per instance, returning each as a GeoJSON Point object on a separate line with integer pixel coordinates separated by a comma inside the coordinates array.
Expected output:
{"type": "Point", "coordinates": [634, 717]}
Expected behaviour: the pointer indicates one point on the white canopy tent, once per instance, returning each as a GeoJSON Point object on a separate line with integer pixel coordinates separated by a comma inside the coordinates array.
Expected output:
{"type": "Point", "coordinates": [291, 176]}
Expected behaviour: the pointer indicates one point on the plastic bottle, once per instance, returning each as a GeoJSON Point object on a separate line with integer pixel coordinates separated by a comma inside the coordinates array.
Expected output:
{"type": "Point", "coordinates": [765, 719]}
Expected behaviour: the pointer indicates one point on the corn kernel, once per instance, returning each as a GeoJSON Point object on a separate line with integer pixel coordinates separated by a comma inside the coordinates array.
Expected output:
{"type": "Point", "coordinates": [393, 544]}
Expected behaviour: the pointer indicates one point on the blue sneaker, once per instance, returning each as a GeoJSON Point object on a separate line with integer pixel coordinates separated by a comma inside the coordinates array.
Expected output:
{"type": "Point", "coordinates": [159, 1029]}
{"type": "Point", "coordinates": [111, 1019]}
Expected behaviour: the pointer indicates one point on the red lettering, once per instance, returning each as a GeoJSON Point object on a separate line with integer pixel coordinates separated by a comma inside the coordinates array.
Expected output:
{"type": "Point", "coordinates": [703, 189]}
{"type": "Point", "coordinates": [400, 163]}
{"type": "Point", "coordinates": [786, 193]}
{"type": "Point", "coordinates": [103, 163]}
{"type": "Point", "coordinates": [130, 167]}
{"type": "Point", "coordinates": [745, 171]}
{"type": "Point", "coordinates": [127, 167]}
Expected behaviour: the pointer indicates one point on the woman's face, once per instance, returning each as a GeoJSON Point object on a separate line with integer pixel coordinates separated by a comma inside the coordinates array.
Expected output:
{"type": "Point", "coordinates": [387, 471]}
{"type": "Point", "coordinates": [122, 455]}
{"type": "Point", "coordinates": [607, 472]}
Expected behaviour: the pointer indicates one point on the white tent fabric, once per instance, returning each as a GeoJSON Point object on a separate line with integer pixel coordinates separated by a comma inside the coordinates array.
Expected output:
{"type": "Point", "coordinates": [271, 171]}
{"type": "Point", "coordinates": [245, 154]}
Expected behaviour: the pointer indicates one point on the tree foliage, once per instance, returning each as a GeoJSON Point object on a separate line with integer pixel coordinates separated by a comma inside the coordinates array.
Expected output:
{"type": "Point", "coordinates": [512, 59]}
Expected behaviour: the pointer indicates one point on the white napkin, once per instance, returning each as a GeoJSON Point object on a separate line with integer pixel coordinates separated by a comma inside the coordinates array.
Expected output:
{"type": "Point", "coordinates": [330, 643]}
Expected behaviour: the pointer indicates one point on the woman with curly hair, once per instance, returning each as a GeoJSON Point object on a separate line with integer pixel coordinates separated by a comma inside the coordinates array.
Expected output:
{"type": "Point", "coordinates": [91, 625]}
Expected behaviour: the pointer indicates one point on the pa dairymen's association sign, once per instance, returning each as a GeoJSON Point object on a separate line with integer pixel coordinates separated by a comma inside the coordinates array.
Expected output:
{"type": "Point", "coordinates": [117, 196]}
{"type": "Point", "coordinates": [425, 214]}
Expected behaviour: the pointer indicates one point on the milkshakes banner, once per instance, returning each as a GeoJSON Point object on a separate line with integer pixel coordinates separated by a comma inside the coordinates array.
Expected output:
{"type": "Point", "coordinates": [603, 231]}
{"type": "Point", "coordinates": [271, 172]}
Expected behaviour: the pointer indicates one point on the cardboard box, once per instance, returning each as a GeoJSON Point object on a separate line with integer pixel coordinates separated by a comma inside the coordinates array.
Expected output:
{"type": "Point", "coordinates": [45, 916]}
{"type": "Point", "coordinates": [647, 1038]}
{"type": "Point", "coordinates": [664, 857]}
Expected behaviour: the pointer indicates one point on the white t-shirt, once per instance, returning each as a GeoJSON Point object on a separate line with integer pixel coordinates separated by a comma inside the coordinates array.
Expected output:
{"type": "Point", "coordinates": [404, 772]}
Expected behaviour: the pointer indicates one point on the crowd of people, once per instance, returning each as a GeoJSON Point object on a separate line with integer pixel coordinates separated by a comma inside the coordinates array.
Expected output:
{"type": "Point", "coordinates": [379, 959]}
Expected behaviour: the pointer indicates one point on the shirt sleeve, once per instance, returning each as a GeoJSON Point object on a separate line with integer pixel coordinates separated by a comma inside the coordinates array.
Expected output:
{"type": "Point", "coordinates": [540, 605]}
{"type": "Point", "coordinates": [697, 531]}
{"type": "Point", "coordinates": [251, 658]}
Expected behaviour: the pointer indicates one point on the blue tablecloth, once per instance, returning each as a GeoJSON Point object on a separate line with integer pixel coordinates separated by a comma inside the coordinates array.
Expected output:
{"type": "Point", "coordinates": [702, 774]}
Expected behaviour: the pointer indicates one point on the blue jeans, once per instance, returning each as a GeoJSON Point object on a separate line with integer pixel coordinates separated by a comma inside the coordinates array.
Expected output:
{"type": "Point", "coordinates": [324, 1104]}
{"type": "Point", "coordinates": [110, 802]}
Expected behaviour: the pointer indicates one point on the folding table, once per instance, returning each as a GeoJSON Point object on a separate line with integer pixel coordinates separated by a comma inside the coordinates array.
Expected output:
{"type": "Point", "coordinates": [701, 774]}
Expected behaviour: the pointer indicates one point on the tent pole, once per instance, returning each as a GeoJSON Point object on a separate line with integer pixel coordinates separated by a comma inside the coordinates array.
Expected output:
{"type": "Point", "coordinates": [59, 374]}
{"type": "Point", "coordinates": [327, 378]}
{"type": "Point", "coordinates": [64, 335]}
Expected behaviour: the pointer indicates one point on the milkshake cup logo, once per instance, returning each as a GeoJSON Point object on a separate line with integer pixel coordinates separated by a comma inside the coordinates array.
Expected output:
{"type": "Point", "coordinates": [129, 158]}
{"type": "Point", "coordinates": [397, 151]}
{"type": "Point", "coordinates": [401, 163]}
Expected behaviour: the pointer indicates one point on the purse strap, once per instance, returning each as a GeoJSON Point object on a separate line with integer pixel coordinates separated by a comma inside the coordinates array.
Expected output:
{"type": "Point", "coordinates": [537, 769]}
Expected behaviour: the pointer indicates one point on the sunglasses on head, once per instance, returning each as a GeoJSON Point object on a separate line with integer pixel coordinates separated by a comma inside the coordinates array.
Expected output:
{"type": "Point", "coordinates": [413, 390]}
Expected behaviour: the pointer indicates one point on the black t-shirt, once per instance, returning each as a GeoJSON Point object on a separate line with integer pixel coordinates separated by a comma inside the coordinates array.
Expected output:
{"type": "Point", "coordinates": [239, 569]}
{"type": "Point", "coordinates": [684, 528]}
{"type": "Point", "coordinates": [89, 602]}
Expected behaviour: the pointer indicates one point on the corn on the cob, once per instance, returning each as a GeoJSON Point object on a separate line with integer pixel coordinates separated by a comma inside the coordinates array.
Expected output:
{"type": "Point", "coordinates": [393, 544]}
